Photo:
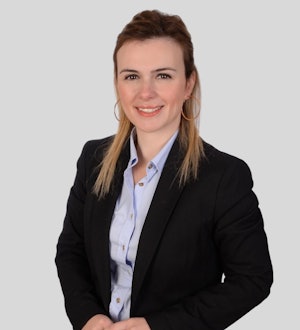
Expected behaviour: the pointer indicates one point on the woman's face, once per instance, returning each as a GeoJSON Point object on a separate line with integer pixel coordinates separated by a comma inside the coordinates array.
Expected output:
{"type": "Point", "coordinates": [151, 84]}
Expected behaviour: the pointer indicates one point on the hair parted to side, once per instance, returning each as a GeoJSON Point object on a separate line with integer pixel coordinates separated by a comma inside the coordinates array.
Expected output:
{"type": "Point", "coordinates": [145, 25]}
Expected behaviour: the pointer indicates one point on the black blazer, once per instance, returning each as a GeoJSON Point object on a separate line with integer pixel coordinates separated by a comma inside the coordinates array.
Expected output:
{"type": "Point", "coordinates": [192, 236]}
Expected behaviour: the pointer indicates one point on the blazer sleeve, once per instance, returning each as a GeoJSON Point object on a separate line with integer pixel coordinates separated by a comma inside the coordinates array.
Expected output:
{"type": "Point", "coordinates": [241, 243]}
{"type": "Point", "coordinates": [71, 259]}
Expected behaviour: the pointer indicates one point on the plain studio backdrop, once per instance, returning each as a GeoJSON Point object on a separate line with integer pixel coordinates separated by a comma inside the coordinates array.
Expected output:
{"type": "Point", "coordinates": [56, 92]}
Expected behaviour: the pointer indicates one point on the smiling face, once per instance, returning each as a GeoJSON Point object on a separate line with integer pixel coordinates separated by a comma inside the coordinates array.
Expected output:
{"type": "Point", "coordinates": [151, 84]}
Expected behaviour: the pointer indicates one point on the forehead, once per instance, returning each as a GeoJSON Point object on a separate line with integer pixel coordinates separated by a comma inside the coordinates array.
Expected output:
{"type": "Point", "coordinates": [150, 52]}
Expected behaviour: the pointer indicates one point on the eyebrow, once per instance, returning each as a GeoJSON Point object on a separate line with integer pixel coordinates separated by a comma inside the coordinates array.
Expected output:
{"type": "Point", "coordinates": [156, 70]}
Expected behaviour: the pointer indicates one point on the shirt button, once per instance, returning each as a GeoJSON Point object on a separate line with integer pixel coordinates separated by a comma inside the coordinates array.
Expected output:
{"type": "Point", "coordinates": [150, 166]}
{"type": "Point", "coordinates": [118, 300]}
{"type": "Point", "coordinates": [123, 247]}
{"type": "Point", "coordinates": [141, 184]}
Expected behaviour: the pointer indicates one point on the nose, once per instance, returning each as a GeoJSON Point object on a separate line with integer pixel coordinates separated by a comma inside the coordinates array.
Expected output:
{"type": "Point", "coordinates": [147, 89]}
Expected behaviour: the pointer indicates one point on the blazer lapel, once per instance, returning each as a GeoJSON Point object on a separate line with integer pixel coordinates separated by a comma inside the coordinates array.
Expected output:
{"type": "Point", "coordinates": [162, 205]}
{"type": "Point", "coordinates": [102, 213]}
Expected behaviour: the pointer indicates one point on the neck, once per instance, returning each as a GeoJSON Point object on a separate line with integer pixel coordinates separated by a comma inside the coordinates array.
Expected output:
{"type": "Point", "coordinates": [150, 144]}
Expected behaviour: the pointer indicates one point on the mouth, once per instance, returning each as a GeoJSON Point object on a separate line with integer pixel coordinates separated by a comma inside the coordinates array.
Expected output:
{"type": "Point", "coordinates": [149, 110]}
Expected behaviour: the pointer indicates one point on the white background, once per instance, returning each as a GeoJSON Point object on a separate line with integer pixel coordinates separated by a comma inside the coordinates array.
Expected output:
{"type": "Point", "coordinates": [56, 92]}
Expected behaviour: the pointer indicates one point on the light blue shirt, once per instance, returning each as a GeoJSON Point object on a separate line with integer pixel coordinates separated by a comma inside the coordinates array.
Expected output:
{"type": "Point", "coordinates": [130, 212]}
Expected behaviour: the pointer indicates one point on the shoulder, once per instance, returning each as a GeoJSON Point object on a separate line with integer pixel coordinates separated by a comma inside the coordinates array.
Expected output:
{"type": "Point", "coordinates": [229, 178]}
{"type": "Point", "coordinates": [218, 158]}
{"type": "Point", "coordinates": [95, 149]}
{"type": "Point", "coordinates": [92, 154]}
{"type": "Point", "coordinates": [94, 146]}
{"type": "Point", "coordinates": [225, 165]}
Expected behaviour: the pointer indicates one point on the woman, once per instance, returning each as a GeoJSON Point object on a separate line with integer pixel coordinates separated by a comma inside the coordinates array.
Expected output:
{"type": "Point", "coordinates": [156, 217]}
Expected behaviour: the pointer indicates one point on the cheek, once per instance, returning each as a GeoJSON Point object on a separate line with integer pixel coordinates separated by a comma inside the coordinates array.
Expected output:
{"type": "Point", "coordinates": [121, 92]}
{"type": "Point", "coordinates": [126, 95]}
{"type": "Point", "coordinates": [177, 92]}
{"type": "Point", "coordinates": [175, 97]}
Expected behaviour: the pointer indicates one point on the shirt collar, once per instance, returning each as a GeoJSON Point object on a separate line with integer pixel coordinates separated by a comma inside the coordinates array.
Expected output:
{"type": "Point", "coordinates": [133, 153]}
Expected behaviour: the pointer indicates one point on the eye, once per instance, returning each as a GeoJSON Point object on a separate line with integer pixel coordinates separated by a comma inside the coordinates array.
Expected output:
{"type": "Point", "coordinates": [163, 76]}
{"type": "Point", "coordinates": [131, 77]}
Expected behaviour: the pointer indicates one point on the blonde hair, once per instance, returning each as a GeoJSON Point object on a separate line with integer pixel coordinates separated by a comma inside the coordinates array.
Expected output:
{"type": "Point", "coordinates": [146, 25]}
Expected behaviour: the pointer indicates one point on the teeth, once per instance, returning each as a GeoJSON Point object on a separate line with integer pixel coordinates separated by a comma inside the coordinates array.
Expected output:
{"type": "Point", "coordinates": [148, 110]}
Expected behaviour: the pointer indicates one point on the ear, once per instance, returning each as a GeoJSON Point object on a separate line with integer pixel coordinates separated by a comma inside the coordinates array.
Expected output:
{"type": "Point", "coordinates": [190, 83]}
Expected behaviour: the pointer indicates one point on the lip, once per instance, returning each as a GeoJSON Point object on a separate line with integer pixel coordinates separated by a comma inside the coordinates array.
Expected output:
{"type": "Point", "coordinates": [149, 110]}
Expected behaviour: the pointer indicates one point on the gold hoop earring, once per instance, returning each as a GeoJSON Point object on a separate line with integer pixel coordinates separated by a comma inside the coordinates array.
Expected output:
{"type": "Point", "coordinates": [189, 119]}
{"type": "Point", "coordinates": [115, 106]}
{"type": "Point", "coordinates": [184, 115]}
{"type": "Point", "coordinates": [190, 97]}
